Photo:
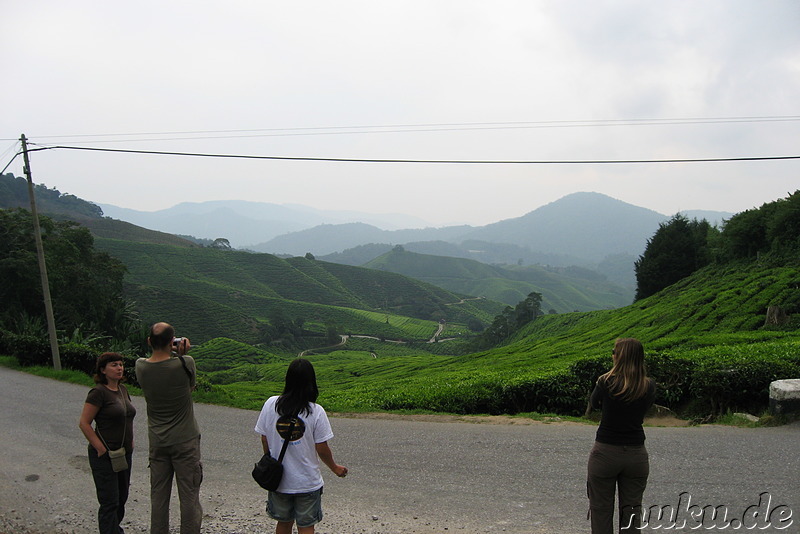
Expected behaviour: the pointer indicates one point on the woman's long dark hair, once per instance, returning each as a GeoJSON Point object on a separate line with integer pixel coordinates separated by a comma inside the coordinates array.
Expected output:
{"type": "Point", "coordinates": [300, 389]}
{"type": "Point", "coordinates": [627, 379]}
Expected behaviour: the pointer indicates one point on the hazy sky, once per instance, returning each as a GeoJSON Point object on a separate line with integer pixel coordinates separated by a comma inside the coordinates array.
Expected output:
{"type": "Point", "coordinates": [415, 80]}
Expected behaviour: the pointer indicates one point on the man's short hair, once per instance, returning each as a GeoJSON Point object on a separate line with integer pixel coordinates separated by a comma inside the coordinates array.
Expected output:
{"type": "Point", "coordinates": [161, 335]}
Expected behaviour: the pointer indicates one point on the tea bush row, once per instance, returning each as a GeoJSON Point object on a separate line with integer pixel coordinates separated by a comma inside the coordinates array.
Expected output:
{"type": "Point", "coordinates": [706, 382]}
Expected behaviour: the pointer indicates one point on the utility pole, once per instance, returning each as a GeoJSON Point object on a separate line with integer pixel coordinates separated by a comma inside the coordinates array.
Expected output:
{"type": "Point", "coordinates": [37, 232]}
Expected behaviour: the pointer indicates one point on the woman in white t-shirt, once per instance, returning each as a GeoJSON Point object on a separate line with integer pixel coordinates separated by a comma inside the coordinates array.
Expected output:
{"type": "Point", "coordinates": [299, 495]}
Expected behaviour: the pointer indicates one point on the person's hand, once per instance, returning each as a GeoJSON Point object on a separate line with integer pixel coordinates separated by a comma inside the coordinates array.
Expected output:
{"type": "Point", "coordinates": [183, 346]}
{"type": "Point", "coordinates": [340, 471]}
{"type": "Point", "coordinates": [101, 451]}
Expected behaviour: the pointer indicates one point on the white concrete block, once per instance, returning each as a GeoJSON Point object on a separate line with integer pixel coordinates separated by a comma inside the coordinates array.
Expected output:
{"type": "Point", "coordinates": [784, 396]}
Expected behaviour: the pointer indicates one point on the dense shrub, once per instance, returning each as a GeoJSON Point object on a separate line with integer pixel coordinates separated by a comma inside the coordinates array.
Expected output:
{"type": "Point", "coordinates": [130, 369]}
{"type": "Point", "coordinates": [203, 384]}
{"type": "Point", "coordinates": [78, 357]}
{"type": "Point", "coordinates": [673, 375]}
{"type": "Point", "coordinates": [739, 384]}
{"type": "Point", "coordinates": [586, 371]}
{"type": "Point", "coordinates": [460, 395]}
{"type": "Point", "coordinates": [708, 380]}
{"type": "Point", "coordinates": [5, 342]}
{"type": "Point", "coordinates": [557, 393]}
{"type": "Point", "coordinates": [29, 350]}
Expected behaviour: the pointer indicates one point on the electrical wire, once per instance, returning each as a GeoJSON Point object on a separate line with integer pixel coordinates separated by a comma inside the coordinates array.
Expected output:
{"type": "Point", "coordinates": [416, 128]}
{"type": "Point", "coordinates": [417, 161]}
{"type": "Point", "coordinates": [6, 152]}
{"type": "Point", "coordinates": [10, 162]}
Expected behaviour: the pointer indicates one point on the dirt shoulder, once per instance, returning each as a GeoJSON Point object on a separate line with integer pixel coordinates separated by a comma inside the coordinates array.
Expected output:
{"type": "Point", "coordinates": [662, 421]}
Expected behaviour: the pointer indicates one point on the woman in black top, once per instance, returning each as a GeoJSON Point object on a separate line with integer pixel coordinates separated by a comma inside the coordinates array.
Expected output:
{"type": "Point", "coordinates": [619, 461]}
{"type": "Point", "coordinates": [108, 404]}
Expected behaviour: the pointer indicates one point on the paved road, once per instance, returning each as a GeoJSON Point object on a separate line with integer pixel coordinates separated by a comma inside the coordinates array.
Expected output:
{"type": "Point", "coordinates": [405, 476]}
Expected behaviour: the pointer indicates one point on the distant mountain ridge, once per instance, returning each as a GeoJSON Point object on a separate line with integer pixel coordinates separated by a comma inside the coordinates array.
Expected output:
{"type": "Point", "coordinates": [245, 223]}
{"type": "Point", "coordinates": [584, 229]}
{"type": "Point", "coordinates": [580, 228]}
{"type": "Point", "coordinates": [585, 226]}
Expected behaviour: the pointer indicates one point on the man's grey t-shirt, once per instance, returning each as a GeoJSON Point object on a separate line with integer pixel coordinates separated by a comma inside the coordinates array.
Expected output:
{"type": "Point", "coordinates": [168, 392]}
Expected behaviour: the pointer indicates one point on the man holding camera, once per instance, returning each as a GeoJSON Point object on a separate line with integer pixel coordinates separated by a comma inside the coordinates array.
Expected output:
{"type": "Point", "coordinates": [167, 379]}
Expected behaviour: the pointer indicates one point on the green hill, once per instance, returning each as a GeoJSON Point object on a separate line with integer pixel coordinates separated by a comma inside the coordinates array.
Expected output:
{"type": "Point", "coordinates": [14, 194]}
{"type": "Point", "coordinates": [121, 230]}
{"type": "Point", "coordinates": [60, 206]}
{"type": "Point", "coordinates": [705, 340]}
{"type": "Point", "coordinates": [563, 289]}
{"type": "Point", "coordinates": [214, 293]}
{"type": "Point", "coordinates": [210, 293]}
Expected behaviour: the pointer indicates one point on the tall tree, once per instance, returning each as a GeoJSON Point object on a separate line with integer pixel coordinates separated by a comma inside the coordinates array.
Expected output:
{"type": "Point", "coordinates": [511, 320]}
{"type": "Point", "coordinates": [774, 227]}
{"type": "Point", "coordinates": [677, 249]}
{"type": "Point", "coordinates": [86, 285]}
{"type": "Point", "coordinates": [529, 309]}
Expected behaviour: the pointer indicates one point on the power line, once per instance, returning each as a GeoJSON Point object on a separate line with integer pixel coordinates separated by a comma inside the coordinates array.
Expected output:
{"type": "Point", "coordinates": [6, 152]}
{"type": "Point", "coordinates": [15, 156]}
{"type": "Point", "coordinates": [418, 161]}
{"type": "Point", "coordinates": [415, 128]}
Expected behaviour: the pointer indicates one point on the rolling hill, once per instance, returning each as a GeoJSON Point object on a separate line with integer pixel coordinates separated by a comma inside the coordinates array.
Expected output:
{"type": "Point", "coordinates": [211, 293]}
{"type": "Point", "coordinates": [705, 338]}
{"type": "Point", "coordinates": [246, 223]}
{"type": "Point", "coordinates": [562, 289]}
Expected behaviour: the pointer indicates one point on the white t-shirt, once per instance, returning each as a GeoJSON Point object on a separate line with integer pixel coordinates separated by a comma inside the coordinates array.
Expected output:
{"type": "Point", "coordinates": [301, 472]}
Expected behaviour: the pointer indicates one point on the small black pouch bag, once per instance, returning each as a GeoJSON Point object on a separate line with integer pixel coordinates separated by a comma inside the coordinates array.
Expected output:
{"type": "Point", "coordinates": [268, 472]}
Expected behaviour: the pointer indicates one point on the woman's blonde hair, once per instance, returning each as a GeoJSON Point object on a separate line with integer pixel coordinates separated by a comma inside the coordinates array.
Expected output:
{"type": "Point", "coordinates": [627, 379]}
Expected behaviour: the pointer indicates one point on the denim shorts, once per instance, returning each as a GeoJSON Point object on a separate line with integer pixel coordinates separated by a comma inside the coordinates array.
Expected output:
{"type": "Point", "coordinates": [303, 508]}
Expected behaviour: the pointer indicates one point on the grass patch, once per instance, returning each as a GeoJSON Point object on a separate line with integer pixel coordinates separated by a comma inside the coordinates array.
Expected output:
{"type": "Point", "coordinates": [65, 375]}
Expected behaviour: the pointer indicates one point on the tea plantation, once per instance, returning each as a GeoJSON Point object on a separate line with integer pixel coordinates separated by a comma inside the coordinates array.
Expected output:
{"type": "Point", "coordinates": [705, 339]}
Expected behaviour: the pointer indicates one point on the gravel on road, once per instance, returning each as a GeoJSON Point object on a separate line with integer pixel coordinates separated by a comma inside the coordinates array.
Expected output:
{"type": "Point", "coordinates": [408, 475]}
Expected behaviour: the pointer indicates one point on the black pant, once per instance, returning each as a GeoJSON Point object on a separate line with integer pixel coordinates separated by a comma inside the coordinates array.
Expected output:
{"type": "Point", "coordinates": [613, 468]}
{"type": "Point", "coordinates": [112, 491]}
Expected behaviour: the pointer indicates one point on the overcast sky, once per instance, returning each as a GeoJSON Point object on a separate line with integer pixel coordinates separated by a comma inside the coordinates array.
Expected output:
{"type": "Point", "coordinates": [412, 80]}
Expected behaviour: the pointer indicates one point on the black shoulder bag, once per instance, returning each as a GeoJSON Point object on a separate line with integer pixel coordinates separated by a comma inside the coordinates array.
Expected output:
{"type": "Point", "coordinates": [268, 472]}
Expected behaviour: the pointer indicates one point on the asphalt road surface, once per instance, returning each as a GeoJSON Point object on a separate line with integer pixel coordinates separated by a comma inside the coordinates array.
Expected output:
{"type": "Point", "coordinates": [406, 476]}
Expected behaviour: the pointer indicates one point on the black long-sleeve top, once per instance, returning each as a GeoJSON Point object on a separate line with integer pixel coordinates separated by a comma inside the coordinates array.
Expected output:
{"type": "Point", "coordinates": [621, 423]}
